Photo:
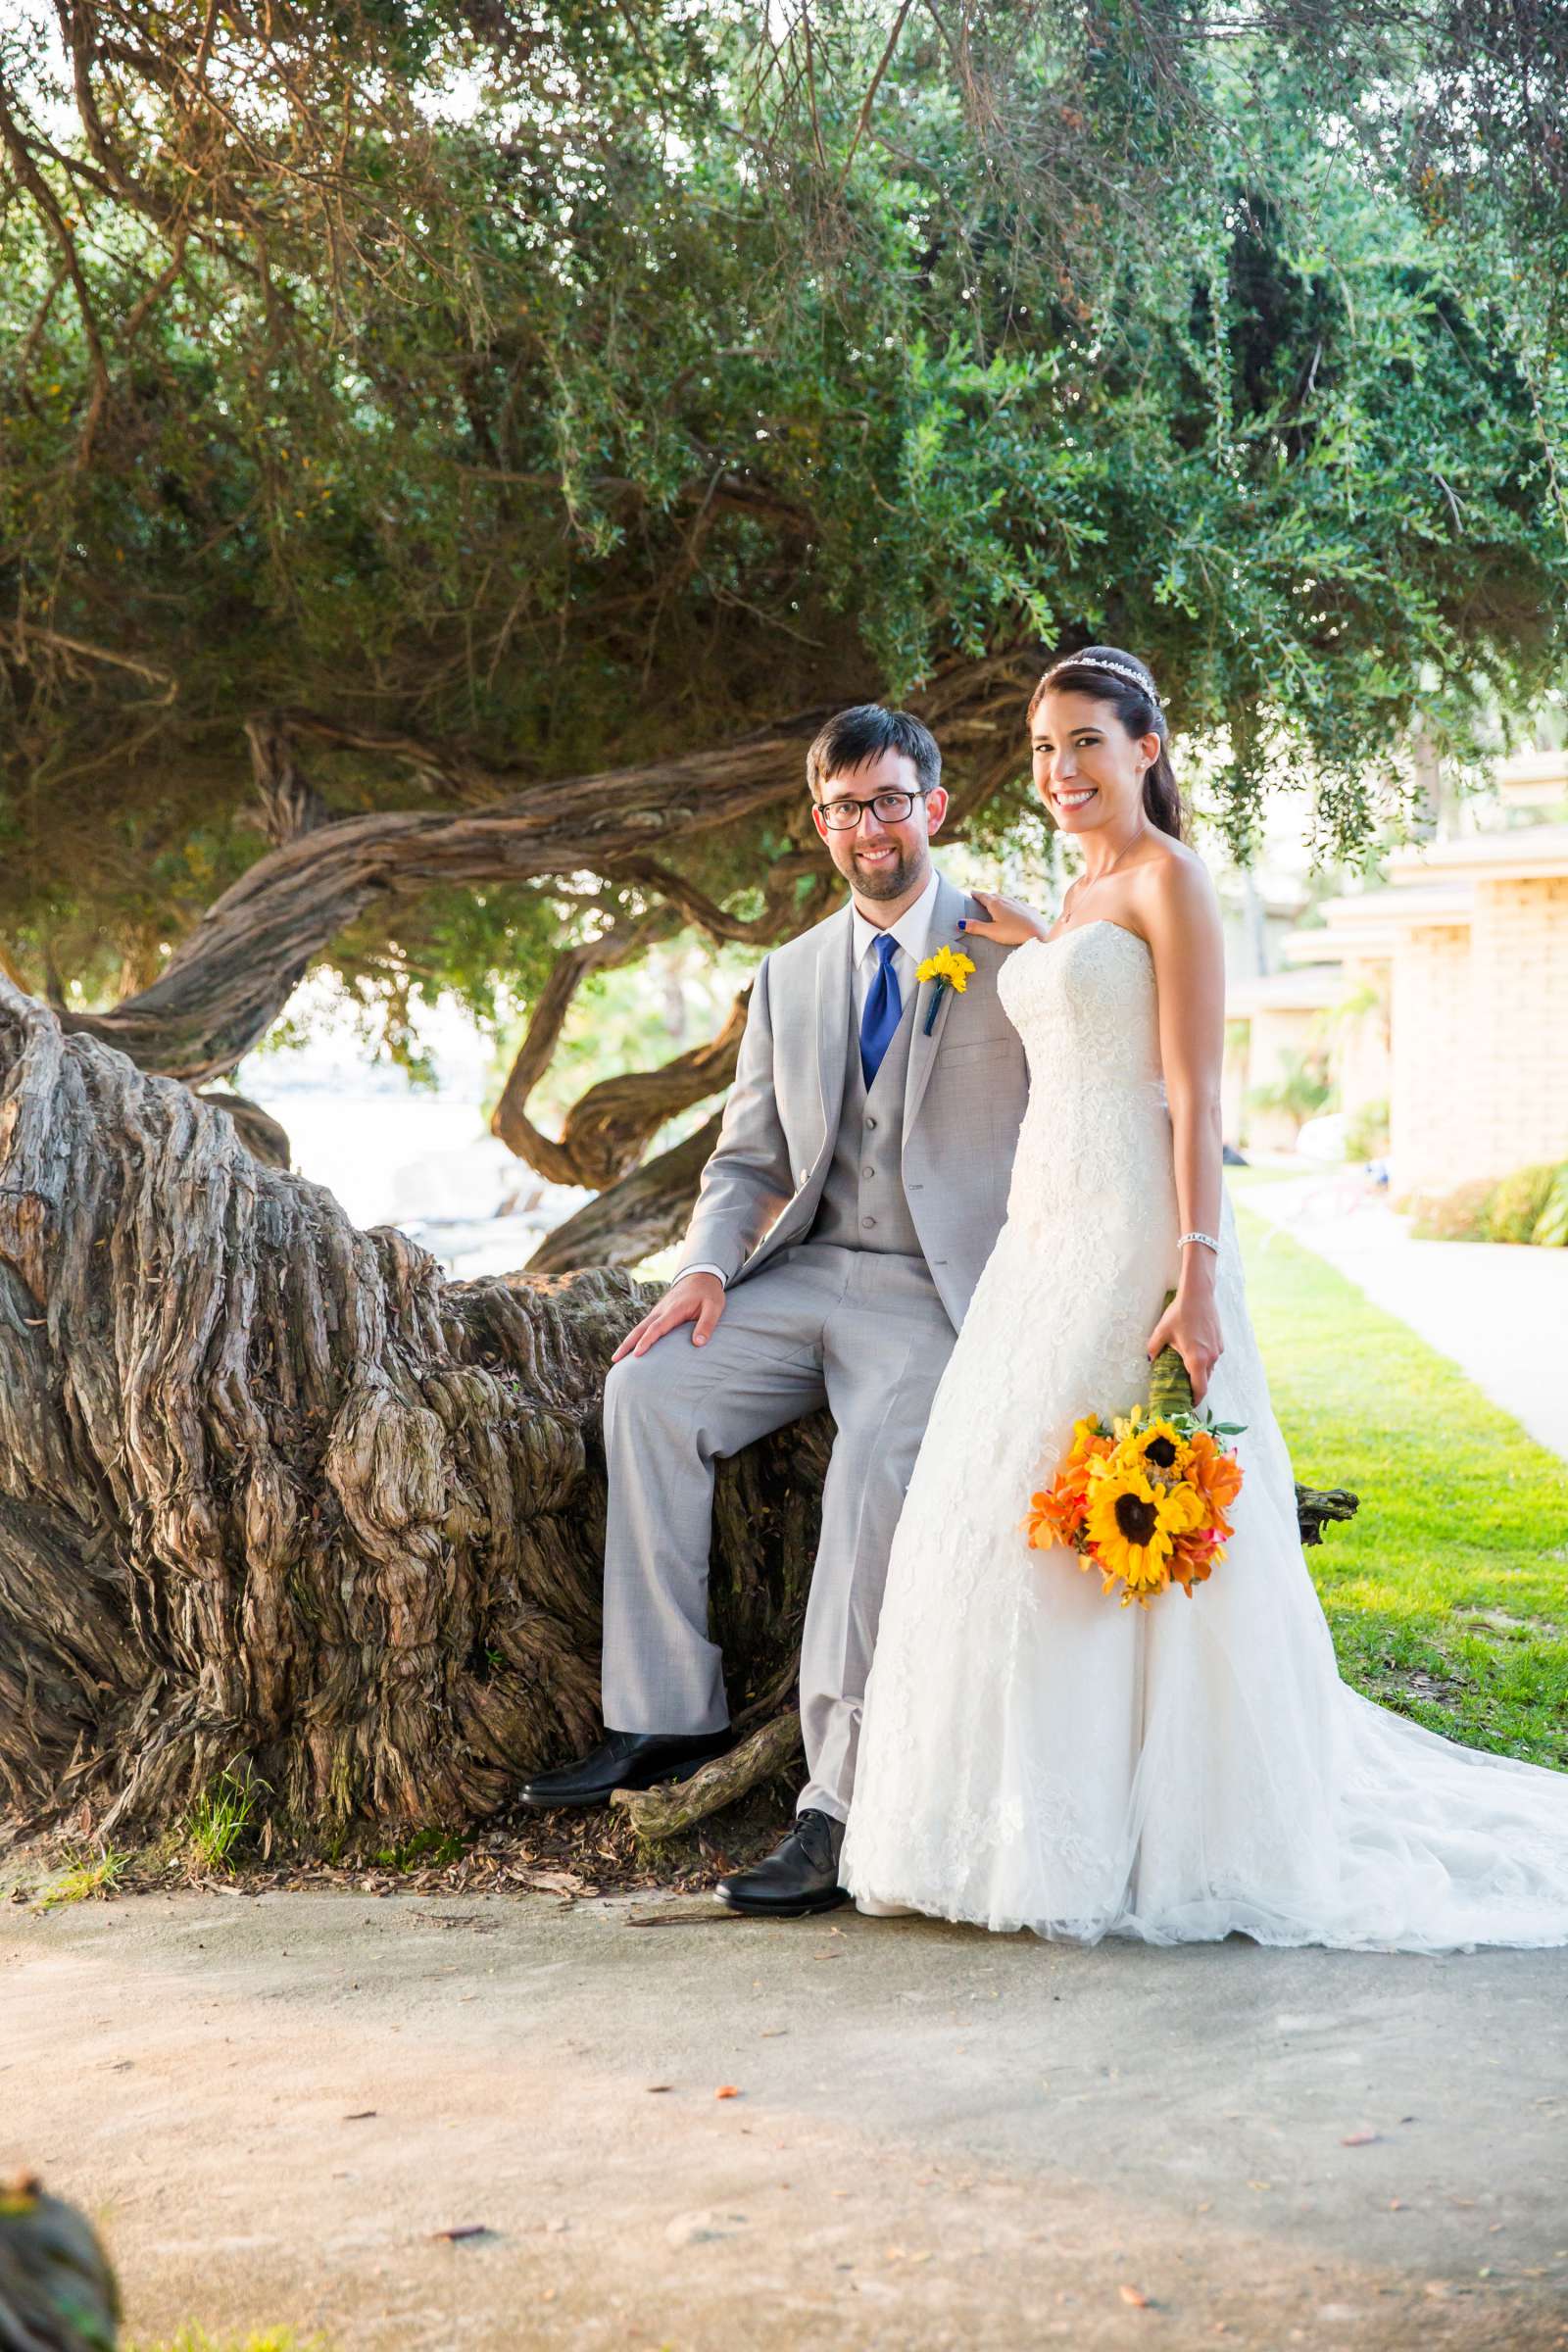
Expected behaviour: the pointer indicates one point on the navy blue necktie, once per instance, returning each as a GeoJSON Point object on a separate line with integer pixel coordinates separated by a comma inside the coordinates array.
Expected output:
{"type": "Point", "coordinates": [883, 1009]}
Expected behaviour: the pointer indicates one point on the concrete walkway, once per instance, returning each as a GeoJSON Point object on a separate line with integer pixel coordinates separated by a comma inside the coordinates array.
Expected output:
{"type": "Point", "coordinates": [1501, 1314]}
{"type": "Point", "coordinates": [277, 2105]}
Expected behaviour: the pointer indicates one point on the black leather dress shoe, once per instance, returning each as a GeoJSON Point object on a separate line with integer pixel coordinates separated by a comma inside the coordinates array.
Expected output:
{"type": "Point", "coordinates": [803, 1876]}
{"type": "Point", "coordinates": [624, 1760]}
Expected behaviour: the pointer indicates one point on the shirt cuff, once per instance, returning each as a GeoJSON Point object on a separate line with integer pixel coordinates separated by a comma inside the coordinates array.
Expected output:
{"type": "Point", "coordinates": [701, 1269]}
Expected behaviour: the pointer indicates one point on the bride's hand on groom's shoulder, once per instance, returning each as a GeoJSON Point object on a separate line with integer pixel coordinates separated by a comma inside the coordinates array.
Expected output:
{"type": "Point", "coordinates": [1191, 1325]}
{"type": "Point", "coordinates": [1007, 922]}
{"type": "Point", "coordinates": [696, 1299]}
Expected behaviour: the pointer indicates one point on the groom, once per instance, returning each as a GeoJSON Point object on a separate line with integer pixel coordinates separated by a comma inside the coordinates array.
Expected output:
{"type": "Point", "coordinates": [858, 1185]}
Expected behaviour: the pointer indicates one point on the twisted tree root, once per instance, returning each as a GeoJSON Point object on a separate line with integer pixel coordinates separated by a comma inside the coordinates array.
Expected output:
{"type": "Point", "coordinates": [676, 1805]}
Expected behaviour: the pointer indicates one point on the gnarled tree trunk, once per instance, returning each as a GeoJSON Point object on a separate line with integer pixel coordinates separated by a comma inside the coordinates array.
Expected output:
{"type": "Point", "coordinates": [271, 1490]}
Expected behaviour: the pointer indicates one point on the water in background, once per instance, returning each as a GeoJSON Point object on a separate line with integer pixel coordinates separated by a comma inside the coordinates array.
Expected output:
{"type": "Point", "coordinates": [394, 1153]}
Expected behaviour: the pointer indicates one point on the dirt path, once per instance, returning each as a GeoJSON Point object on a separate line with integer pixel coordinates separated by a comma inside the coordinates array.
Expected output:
{"type": "Point", "coordinates": [941, 2138]}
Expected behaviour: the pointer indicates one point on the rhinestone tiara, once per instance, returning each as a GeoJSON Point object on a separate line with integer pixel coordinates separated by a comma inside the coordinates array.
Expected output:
{"type": "Point", "coordinates": [1120, 670]}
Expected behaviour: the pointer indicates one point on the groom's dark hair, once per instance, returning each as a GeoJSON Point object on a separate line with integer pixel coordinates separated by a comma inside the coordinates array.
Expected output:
{"type": "Point", "coordinates": [863, 732]}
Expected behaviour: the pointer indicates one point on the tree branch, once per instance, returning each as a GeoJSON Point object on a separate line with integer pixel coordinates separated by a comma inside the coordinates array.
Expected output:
{"type": "Point", "coordinates": [229, 980]}
{"type": "Point", "coordinates": [43, 196]}
{"type": "Point", "coordinates": [645, 1211]}
{"type": "Point", "coordinates": [291, 805]}
{"type": "Point", "coordinates": [618, 945]}
{"type": "Point", "coordinates": [607, 1131]}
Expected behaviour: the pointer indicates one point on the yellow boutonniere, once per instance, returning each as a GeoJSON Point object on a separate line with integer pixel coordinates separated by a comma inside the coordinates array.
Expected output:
{"type": "Point", "coordinates": [946, 965]}
{"type": "Point", "coordinates": [948, 968]}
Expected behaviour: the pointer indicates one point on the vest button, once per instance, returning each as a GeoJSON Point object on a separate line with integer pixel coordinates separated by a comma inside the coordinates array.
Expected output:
{"type": "Point", "coordinates": [868, 1222]}
{"type": "Point", "coordinates": [869, 1120]}
{"type": "Point", "coordinates": [868, 1171]}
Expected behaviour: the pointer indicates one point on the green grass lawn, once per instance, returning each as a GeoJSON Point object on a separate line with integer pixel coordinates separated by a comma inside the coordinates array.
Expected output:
{"type": "Point", "coordinates": [1448, 1593]}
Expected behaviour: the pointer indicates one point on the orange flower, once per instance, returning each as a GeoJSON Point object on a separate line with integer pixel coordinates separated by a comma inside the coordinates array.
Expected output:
{"type": "Point", "coordinates": [1217, 1477]}
{"type": "Point", "coordinates": [1087, 1442]}
{"type": "Point", "coordinates": [1192, 1557]}
{"type": "Point", "coordinates": [1056, 1515]}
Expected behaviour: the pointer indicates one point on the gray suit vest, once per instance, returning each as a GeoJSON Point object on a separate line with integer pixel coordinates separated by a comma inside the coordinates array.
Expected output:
{"type": "Point", "coordinates": [864, 1206]}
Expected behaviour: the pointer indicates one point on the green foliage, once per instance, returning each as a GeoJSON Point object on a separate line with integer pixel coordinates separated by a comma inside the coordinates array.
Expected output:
{"type": "Point", "coordinates": [1451, 1571]}
{"type": "Point", "coordinates": [1302, 1088]}
{"type": "Point", "coordinates": [1529, 1205]}
{"type": "Point", "coordinates": [1518, 1203]}
{"type": "Point", "coordinates": [426, 1849]}
{"type": "Point", "coordinates": [1366, 1132]}
{"type": "Point", "coordinates": [224, 1818]}
{"type": "Point", "coordinates": [89, 1873]}
{"type": "Point", "coordinates": [607, 398]}
{"type": "Point", "coordinates": [269, 2339]}
{"type": "Point", "coordinates": [1460, 1215]}
{"type": "Point", "coordinates": [1551, 1227]}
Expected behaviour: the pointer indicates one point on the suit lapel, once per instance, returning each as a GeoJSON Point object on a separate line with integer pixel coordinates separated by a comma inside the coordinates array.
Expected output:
{"type": "Point", "coordinates": [946, 916]}
{"type": "Point", "coordinates": [833, 1016]}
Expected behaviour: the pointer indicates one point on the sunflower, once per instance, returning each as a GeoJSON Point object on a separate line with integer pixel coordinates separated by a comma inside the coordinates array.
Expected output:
{"type": "Point", "coordinates": [949, 964]}
{"type": "Point", "coordinates": [1218, 1476]}
{"type": "Point", "coordinates": [1159, 1445]}
{"type": "Point", "coordinates": [1134, 1522]}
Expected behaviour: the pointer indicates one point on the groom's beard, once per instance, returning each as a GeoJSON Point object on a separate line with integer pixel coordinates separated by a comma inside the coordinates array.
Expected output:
{"type": "Point", "coordinates": [892, 879]}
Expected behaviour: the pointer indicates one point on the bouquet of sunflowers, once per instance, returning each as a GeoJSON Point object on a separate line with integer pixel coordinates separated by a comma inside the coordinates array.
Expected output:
{"type": "Point", "coordinates": [1145, 1499]}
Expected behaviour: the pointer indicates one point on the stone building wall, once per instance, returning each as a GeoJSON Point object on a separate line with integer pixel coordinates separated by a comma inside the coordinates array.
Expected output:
{"type": "Point", "coordinates": [1518, 1088]}
{"type": "Point", "coordinates": [1431, 1097]}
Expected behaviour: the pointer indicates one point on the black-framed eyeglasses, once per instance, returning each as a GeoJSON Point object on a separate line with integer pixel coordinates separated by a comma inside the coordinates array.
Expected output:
{"type": "Point", "coordinates": [887, 807]}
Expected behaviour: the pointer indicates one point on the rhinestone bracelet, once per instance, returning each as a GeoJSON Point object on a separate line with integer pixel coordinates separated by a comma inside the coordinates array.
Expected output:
{"type": "Point", "coordinates": [1208, 1240]}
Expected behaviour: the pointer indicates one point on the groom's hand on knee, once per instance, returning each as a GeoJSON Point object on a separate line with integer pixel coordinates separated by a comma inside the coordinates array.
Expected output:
{"type": "Point", "coordinates": [696, 1299]}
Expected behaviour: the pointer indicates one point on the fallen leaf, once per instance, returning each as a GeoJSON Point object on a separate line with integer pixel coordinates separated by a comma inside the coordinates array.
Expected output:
{"type": "Point", "coordinates": [661, 2086]}
{"type": "Point", "coordinates": [1360, 2139]}
{"type": "Point", "coordinates": [1395, 2204]}
{"type": "Point", "coordinates": [464, 2230]}
{"type": "Point", "coordinates": [553, 1882]}
{"type": "Point", "coordinates": [727, 2090]}
{"type": "Point", "coordinates": [361, 2115]}
{"type": "Point", "coordinates": [1136, 2296]}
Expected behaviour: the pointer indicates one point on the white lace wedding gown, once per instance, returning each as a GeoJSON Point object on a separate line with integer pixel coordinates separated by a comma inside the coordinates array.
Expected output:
{"type": "Point", "coordinates": [1034, 1755]}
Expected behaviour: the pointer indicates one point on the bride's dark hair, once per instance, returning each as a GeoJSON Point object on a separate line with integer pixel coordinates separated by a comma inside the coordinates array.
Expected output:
{"type": "Point", "coordinates": [1136, 703]}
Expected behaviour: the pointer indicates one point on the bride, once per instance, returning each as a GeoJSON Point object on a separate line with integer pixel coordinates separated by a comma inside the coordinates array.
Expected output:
{"type": "Point", "coordinates": [1032, 1754]}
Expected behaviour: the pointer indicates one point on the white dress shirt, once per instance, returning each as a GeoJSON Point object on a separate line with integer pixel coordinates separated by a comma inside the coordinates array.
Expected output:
{"type": "Point", "coordinates": [912, 931]}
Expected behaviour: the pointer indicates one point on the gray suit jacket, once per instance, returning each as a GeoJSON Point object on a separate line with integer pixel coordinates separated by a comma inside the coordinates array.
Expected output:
{"type": "Point", "coordinates": [963, 1102]}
